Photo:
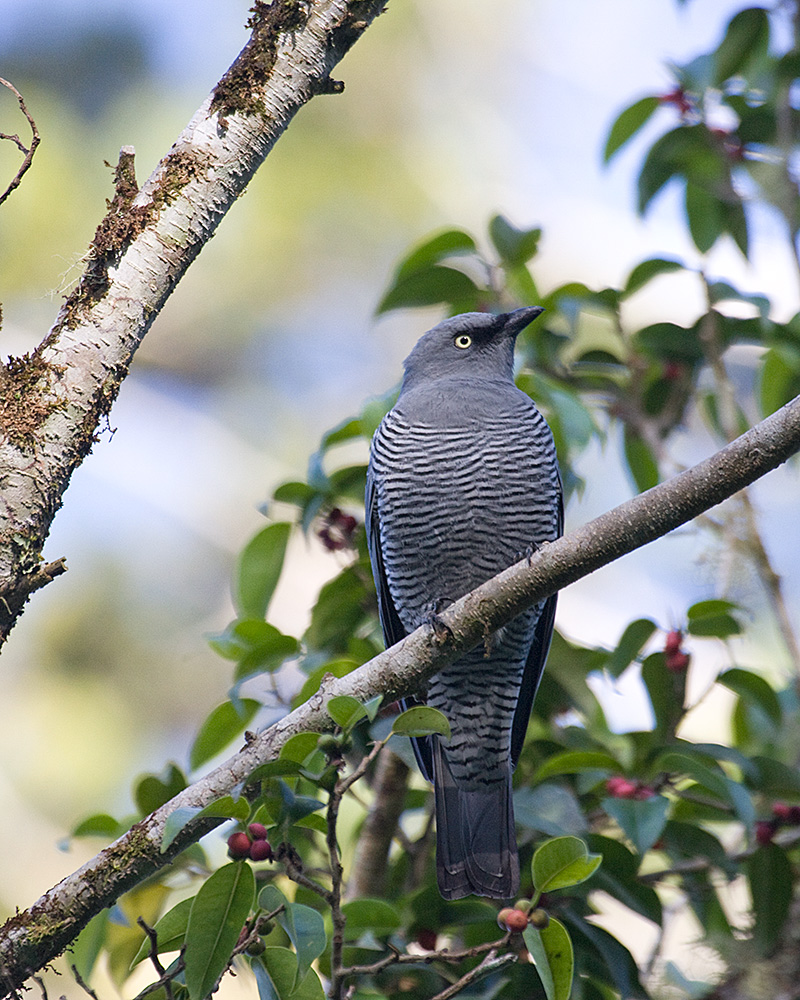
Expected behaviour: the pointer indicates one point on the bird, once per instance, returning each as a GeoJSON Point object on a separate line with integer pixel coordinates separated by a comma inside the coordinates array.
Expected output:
{"type": "Point", "coordinates": [462, 482]}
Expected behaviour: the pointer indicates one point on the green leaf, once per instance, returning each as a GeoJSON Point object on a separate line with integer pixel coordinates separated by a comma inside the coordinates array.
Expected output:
{"type": "Point", "coordinates": [669, 342]}
{"type": "Point", "coordinates": [630, 645]}
{"type": "Point", "coordinates": [306, 930]}
{"type": "Point", "coordinates": [562, 862]}
{"type": "Point", "coordinates": [640, 460]}
{"type": "Point", "coordinates": [712, 618]}
{"type": "Point", "coordinates": [367, 914]}
{"type": "Point", "coordinates": [295, 493]}
{"type": "Point", "coordinates": [153, 790]}
{"type": "Point", "coordinates": [711, 777]}
{"type": "Point", "coordinates": [688, 151]}
{"type": "Point", "coordinates": [746, 37]}
{"type": "Point", "coordinates": [619, 877]}
{"type": "Point", "coordinates": [340, 609]}
{"type": "Point", "coordinates": [641, 820]}
{"type": "Point", "coordinates": [170, 931]}
{"type": "Point", "coordinates": [277, 977]}
{"type": "Point", "coordinates": [647, 270]}
{"type": "Point", "coordinates": [705, 215]}
{"type": "Point", "coordinates": [609, 953]}
{"type": "Point", "coordinates": [429, 286]}
{"type": "Point", "coordinates": [780, 377]}
{"type": "Point", "coordinates": [99, 825]}
{"type": "Point", "coordinates": [299, 747]}
{"type": "Point", "coordinates": [296, 807]}
{"type": "Point", "coordinates": [225, 807]}
{"type": "Point", "coordinates": [552, 809]}
{"type": "Point", "coordinates": [452, 242]}
{"type": "Point", "coordinates": [515, 246]}
{"type": "Point", "coordinates": [667, 693]}
{"type": "Point", "coordinates": [259, 570]}
{"type": "Point", "coordinates": [86, 948]}
{"type": "Point", "coordinates": [551, 951]}
{"type": "Point", "coordinates": [345, 711]}
{"type": "Point", "coordinates": [574, 762]}
{"type": "Point", "coordinates": [421, 721]}
{"type": "Point", "coordinates": [627, 124]}
{"type": "Point", "coordinates": [257, 645]}
{"type": "Point", "coordinates": [218, 913]}
{"type": "Point", "coordinates": [771, 879]}
{"type": "Point", "coordinates": [220, 728]}
{"type": "Point", "coordinates": [755, 689]}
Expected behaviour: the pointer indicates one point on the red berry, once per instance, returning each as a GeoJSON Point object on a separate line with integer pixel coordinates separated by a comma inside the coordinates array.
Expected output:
{"type": "Point", "coordinates": [781, 812]}
{"type": "Point", "coordinates": [501, 916]}
{"type": "Point", "coordinates": [677, 662]}
{"type": "Point", "coordinates": [239, 845]}
{"type": "Point", "coordinates": [260, 850]}
{"type": "Point", "coordinates": [426, 938]}
{"type": "Point", "coordinates": [257, 831]}
{"type": "Point", "coordinates": [620, 788]}
{"type": "Point", "coordinates": [764, 831]}
{"type": "Point", "coordinates": [516, 920]}
{"type": "Point", "coordinates": [672, 643]}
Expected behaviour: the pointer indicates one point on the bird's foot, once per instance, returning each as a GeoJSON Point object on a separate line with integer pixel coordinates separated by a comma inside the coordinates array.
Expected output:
{"type": "Point", "coordinates": [441, 631]}
{"type": "Point", "coordinates": [527, 553]}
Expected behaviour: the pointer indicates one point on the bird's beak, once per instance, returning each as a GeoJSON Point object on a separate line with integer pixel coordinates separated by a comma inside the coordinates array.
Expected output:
{"type": "Point", "coordinates": [516, 321]}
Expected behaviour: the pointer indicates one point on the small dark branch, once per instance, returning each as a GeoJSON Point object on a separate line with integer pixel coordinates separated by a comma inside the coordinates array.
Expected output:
{"type": "Point", "coordinates": [162, 972]}
{"type": "Point", "coordinates": [165, 981]}
{"type": "Point", "coordinates": [491, 963]}
{"type": "Point", "coordinates": [15, 594]}
{"type": "Point", "coordinates": [28, 151]}
{"type": "Point", "coordinates": [399, 958]}
{"type": "Point", "coordinates": [82, 984]}
{"type": "Point", "coordinates": [287, 856]}
{"type": "Point", "coordinates": [40, 983]}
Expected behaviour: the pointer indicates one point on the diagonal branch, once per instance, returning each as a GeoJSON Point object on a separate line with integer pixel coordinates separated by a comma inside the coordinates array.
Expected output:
{"type": "Point", "coordinates": [52, 402]}
{"type": "Point", "coordinates": [34, 937]}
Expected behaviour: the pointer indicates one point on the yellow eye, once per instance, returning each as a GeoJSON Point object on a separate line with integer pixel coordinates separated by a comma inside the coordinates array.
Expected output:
{"type": "Point", "coordinates": [463, 340]}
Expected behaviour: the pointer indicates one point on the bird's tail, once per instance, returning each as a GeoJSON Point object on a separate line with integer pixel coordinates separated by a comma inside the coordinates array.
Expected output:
{"type": "Point", "coordinates": [476, 848]}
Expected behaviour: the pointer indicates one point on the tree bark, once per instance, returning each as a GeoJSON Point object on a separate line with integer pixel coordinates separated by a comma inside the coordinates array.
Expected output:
{"type": "Point", "coordinates": [52, 403]}
{"type": "Point", "coordinates": [34, 937]}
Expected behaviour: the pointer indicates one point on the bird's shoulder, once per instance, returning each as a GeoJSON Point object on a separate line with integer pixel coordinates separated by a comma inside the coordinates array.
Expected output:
{"type": "Point", "coordinates": [453, 402]}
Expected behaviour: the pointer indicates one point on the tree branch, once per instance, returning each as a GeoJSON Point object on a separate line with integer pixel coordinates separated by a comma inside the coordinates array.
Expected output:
{"type": "Point", "coordinates": [34, 937]}
{"type": "Point", "coordinates": [52, 402]}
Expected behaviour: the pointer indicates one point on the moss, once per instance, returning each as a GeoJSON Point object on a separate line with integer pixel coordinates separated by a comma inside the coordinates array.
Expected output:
{"type": "Point", "coordinates": [27, 398]}
{"type": "Point", "coordinates": [124, 221]}
{"type": "Point", "coordinates": [239, 91]}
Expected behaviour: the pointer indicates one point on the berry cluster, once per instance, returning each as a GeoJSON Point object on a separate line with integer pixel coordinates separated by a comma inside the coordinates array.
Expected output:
{"type": "Point", "coordinates": [676, 659]}
{"type": "Point", "coordinates": [517, 917]}
{"type": "Point", "coordinates": [623, 788]}
{"type": "Point", "coordinates": [253, 844]}
{"type": "Point", "coordinates": [337, 530]}
{"type": "Point", "coordinates": [782, 815]}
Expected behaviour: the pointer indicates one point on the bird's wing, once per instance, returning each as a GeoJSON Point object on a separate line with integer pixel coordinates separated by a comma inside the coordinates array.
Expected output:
{"type": "Point", "coordinates": [393, 630]}
{"type": "Point", "coordinates": [534, 666]}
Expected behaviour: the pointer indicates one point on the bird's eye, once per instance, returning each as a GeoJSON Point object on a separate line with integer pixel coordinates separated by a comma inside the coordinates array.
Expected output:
{"type": "Point", "coordinates": [463, 340]}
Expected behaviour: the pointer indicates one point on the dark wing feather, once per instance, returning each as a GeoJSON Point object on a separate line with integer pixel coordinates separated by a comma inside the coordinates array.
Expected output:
{"type": "Point", "coordinates": [534, 666]}
{"type": "Point", "coordinates": [393, 630]}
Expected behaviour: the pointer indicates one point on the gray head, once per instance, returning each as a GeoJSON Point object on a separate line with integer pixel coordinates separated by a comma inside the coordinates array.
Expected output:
{"type": "Point", "coordinates": [472, 345]}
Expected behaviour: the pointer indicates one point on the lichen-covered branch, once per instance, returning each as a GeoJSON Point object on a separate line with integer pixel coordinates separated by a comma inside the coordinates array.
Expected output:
{"type": "Point", "coordinates": [52, 402]}
{"type": "Point", "coordinates": [34, 937]}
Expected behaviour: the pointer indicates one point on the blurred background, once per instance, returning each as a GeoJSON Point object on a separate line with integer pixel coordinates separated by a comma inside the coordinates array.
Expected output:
{"type": "Point", "coordinates": [453, 110]}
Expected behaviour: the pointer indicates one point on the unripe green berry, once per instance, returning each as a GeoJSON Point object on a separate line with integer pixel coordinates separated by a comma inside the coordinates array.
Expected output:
{"type": "Point", "coordinates": [539, 918]}
{"type": "Point", "coordinates": [523, 904]}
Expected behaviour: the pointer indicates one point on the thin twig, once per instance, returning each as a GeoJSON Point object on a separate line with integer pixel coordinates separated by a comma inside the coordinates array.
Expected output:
{"type": "Point", "coordinates": [153, 938]}
{"type": "Point", "coordinates": [29, 150]}
{"type": "Point", "coordinates": [399, 958]}
{"type": "Point", "coordinates": [82, 984]}
{"type": "Point", "coordinates": [491, 963]}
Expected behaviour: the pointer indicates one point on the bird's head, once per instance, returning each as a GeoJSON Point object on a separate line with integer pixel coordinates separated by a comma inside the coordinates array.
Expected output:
{"type": "Point", "coordinates": [472, 345]}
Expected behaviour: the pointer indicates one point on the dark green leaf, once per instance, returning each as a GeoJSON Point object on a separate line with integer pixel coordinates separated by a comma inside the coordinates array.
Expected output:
{"type": "Point", "coordinates": [642, 820]}
{"type": "Point", "coordinates": [338, 668]}
{"type": "Point", "coordinates": [299, 747]}
{"type": "Point", "coordinates": [640, 460]}
{"type": "Point", "coordinates": [776, 778]}
{"type": "Point", "coordinates": [551, 809]}
{"type": "Point", "coordinates": [429, 286]}
{"type": "Point", "coordinates": [99, 825]}
{"type": "Point", "coordinates": [218, 914]}
{"type": "Point", "coordinates": [619, 877]}
{"type": "Point", "coordinates": [220, 728]}
{"type": "Point", "coordinates": [771, 879]}
{"type": "Point", "coordinates": [669, 342]}
{"type": "Point", "coordinates": [712, 618]}
{"type": "Point", "coordinates": [450, 243]}
{"type": "Point", "coordinates": [153, 790]}
{"type": "Point", "coordinates": [688, 840]}
{"type": "Point", "coordinates": [753, 688]}
{"type": "Point", "coordinates": [780, 377]}
{"type": "Point", "coordinates": [515, 246]}
{"type": "Point", "coordinates": [628, 123]}
{"type": "Point", "coordinates": [259, 570]}
{"type": "Point", "coordinates": [561, 863]}
{"type": "Point", "coordinates": [296, 807]}
{"type": "Point", "coordinates": [277, 978]}
{"type": "Point", "coordinates": [746, 37]}
{"type": "Point", "coordinates": [86, 948]}
{"type": "Point", "coordinates": [366, 914]}
{"type": "Point", "coordinates": [306, 930]}
{"type": "Point", "coordinates": [551, 951]}
{"type": "Point", "coordinates": [630, 645]}
{"type": "Point", "coordinates": [295, 493]}
{"type": "Point", "coordinates": [647, 270]}
{"type": "Point", "coordinates": [611, 955]}
{"type": "Point", "coordinates": [345, 711]}
{"type": "Point", "coordinates": [257, 645]}
{"type": "Point", "coordinates": [711, 777]}
{"type": "Point", "coordinates": [705, 215]}
{"type": "Point", "coordinates": [170, 931]}
{"type": "Point", "coordinates": [574, 762]}
{"type": "Point", "coordinates": [341, 606]}
{"type": "Point", "coordinates": [421, 721]}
